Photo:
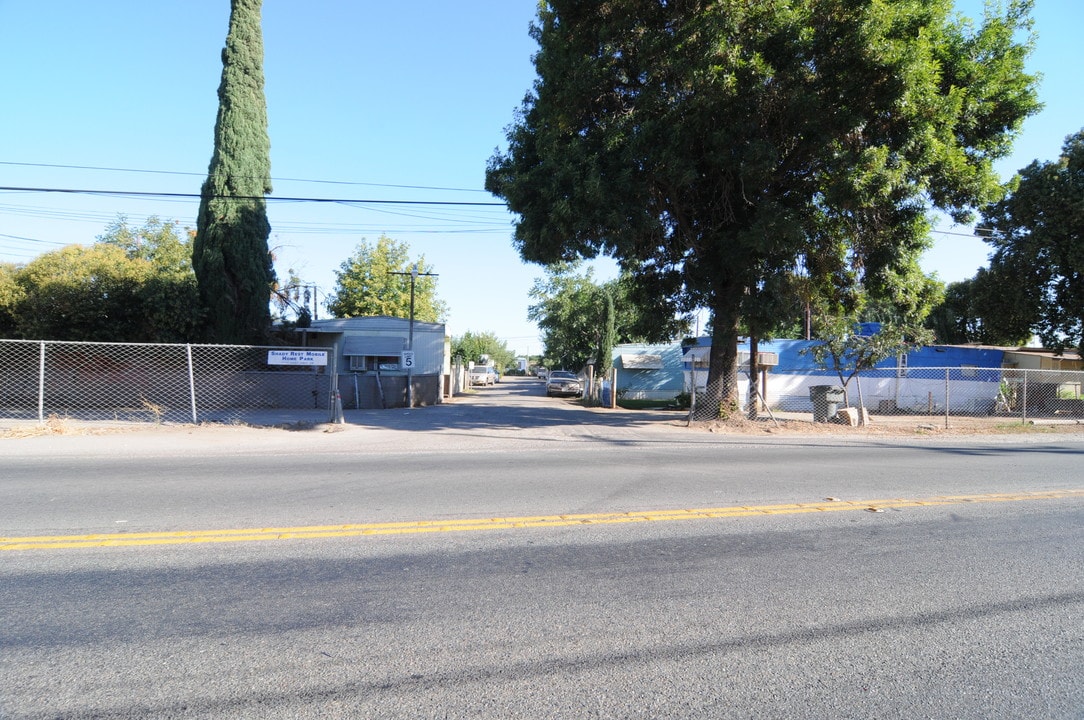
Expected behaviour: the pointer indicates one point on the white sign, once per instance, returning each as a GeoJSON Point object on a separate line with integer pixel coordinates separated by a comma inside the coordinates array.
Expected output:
{"type": "Point", "coordinates": [408, 359]}
{"type": "Point", "coordinates": [297, 357]}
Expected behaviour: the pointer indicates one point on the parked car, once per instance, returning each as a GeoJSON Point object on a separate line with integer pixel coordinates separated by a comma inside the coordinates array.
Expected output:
{"type": "Point", "coordinates": [541, 373]}
{"type": "Point", "coordinates": [484, 375]}
{"type": "Point", "coordinates": [563, 382]}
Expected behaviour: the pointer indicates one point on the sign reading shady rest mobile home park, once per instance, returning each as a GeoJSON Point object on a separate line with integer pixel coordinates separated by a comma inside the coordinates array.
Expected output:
{"type": "Point", "coordinates": [297, 357]}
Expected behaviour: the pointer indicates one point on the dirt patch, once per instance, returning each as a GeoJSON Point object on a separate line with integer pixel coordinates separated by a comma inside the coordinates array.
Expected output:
{"type": "Point", "coordinates": [783, 424]}
{"type": "Point", "coordinates": [892, 426]}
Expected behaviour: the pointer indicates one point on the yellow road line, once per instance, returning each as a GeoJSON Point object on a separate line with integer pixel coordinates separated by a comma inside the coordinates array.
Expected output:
{"type": "Point", "coordinates": [56, 542]}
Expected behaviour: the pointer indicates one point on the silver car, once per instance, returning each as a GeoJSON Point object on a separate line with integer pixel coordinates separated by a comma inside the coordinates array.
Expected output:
{"type": "Point", "coordinates": [562, 382]}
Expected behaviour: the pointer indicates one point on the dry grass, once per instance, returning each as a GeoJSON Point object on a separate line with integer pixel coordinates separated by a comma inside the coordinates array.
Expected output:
{"type": "Point", "coordinates": [53, 425]}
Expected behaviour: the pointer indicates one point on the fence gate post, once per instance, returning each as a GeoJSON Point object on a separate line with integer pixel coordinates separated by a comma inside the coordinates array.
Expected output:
{"type": "Point", "coordinates": [947, 371]}
{"type": "Point", "coordinates": [41, 383]}
{"type": "Point", "coordinates": [191, 382]}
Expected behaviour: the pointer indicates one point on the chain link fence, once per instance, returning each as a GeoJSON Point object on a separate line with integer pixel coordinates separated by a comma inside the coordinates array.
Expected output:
{"type": "Point", "coordinates": [151, 383]}
{"type": "Point", "coordinates": [932, 392]}
{"type": "Point", "coordinates": [224, 383]}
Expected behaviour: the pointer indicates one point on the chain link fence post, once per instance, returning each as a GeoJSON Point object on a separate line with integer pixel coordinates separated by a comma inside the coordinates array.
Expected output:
{"type": "Point", "coordinates": [191, 382]}
{"type": "Point", "coordinates": [41, 384]}
{"type": "Point", "coordinates": [947, 406]}
{"type": "Point", "coordinates": [1024, 400]}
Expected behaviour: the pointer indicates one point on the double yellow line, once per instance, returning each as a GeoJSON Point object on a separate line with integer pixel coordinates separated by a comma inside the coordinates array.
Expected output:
{"type": "Point", "coordinates": [60, 542]}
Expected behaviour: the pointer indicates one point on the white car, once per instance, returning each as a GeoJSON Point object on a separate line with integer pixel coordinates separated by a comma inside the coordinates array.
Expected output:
{"type": "Point", "coordinates": [484, 375]}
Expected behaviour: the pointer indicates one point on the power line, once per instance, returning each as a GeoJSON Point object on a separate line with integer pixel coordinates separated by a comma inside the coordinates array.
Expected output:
{"type": "Point", "coordinates": [33, 240]}
{"type": "Point", "coordinates": [342, 201]}
{"type": "Point", "coordinates": [989, 233]}
{"type": "Point", "coordinates": [277, 179]}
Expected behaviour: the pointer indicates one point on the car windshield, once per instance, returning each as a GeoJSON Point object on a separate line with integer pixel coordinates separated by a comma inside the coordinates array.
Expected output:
{"type": "Point", "coordinates": [556, 374]}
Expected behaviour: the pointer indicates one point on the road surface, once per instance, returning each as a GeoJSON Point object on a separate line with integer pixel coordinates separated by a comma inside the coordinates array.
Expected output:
{"type": "Point", "coordinates": [512, 556]}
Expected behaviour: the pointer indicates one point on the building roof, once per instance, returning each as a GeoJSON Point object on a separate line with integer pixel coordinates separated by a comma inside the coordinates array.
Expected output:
{"type": "Point", "coordinates": [371, 323]}
{"type": "Point", "coordinates": [1047, 353]}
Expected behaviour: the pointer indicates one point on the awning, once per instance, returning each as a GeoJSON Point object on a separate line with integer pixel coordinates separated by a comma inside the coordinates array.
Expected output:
{"type": "Point", "coordinates": [641, 362]}
{"type": "Point", "coordinates": [373, 346]}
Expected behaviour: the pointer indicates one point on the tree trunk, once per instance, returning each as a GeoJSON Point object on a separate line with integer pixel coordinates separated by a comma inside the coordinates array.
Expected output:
{"type": "Point", "coordinates": [753, 404]}
{"type": "Point", "coordinates": [721, 395]}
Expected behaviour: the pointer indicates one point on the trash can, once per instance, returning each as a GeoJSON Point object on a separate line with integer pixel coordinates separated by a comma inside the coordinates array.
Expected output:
{"type": "Point", "coordinates": [826, 401]}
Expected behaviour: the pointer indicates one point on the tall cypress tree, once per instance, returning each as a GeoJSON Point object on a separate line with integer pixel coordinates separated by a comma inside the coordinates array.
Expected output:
{"type": "Point", "coordinates": [230, 256]}
{"type": "Point", "coordinates": [604, 358]}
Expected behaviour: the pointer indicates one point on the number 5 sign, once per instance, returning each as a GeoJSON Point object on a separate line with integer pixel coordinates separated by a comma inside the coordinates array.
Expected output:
{"type": "Point", "coordinates": [408, 359]}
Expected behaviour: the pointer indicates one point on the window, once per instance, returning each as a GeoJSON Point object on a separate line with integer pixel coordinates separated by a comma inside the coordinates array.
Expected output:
{"type": "Point", "coordinates": [370, 353]}
{"type": "Point", "coordinates": [363, 363]}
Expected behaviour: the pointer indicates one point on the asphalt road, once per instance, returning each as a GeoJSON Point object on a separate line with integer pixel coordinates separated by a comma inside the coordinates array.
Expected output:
{"type": "Point", "coordinates": [512, 556]}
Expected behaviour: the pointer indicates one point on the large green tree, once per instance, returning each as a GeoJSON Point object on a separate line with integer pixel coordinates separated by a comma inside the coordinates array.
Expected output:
{"type": "Point", "coordinates": [231, 259]}
{"type": "Point", "coordinates": [11, 294]}
{"type": "Point", "coordinates": [81, 293]}
{"type": "Point", "coordinates": [170, 310]}
{"type": "Point", "coordinates": [1038, 240]}
{"type": "Point", "coordinates": [566, 310]}
{"type": "Point", "coordinates": [134, 285]}
{"type": "Point", "coordinates": [376, 280]}
{"type": "Point", "coordinates": [989, 309]}
{"type": "Point", "coordinates": [709, 145]}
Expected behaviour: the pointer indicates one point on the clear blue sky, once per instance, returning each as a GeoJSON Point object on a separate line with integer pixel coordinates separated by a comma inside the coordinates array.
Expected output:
{"type": "Point", "coordinates": [366, 100]}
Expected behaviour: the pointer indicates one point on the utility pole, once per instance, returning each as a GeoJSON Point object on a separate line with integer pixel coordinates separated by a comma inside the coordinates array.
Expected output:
{"type": "Point", "coordinates": [414, 275]}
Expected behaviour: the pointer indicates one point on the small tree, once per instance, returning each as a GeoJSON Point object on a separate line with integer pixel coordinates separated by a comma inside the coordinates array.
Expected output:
{"type": "Point", "coordinates": [569, 309]}
{"type": "Point", "coordinates": [472, 347]}
{"type": "Point", "coordinates": [375, 281]}
{"type": "Point", "coordinates": [848, 351]}
{"type": "Point", "coordinates": [294, 300]}
{"type": "Point", "coordinates": [604, 357]}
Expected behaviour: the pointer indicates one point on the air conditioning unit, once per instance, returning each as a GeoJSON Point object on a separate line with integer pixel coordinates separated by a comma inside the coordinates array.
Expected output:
{"type": "Point", "coordinates": [764, 359]}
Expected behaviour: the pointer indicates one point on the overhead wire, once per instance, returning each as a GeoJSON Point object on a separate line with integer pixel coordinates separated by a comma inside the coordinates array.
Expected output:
{"type": "Point", "coordinates": [453, 211]}
{"type": "Point", "coordinates": [274, 179]}
{"type": "Point", "coordinates": [476, 224]}
{"type": "Point", "coordinates": [267, 198]}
